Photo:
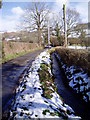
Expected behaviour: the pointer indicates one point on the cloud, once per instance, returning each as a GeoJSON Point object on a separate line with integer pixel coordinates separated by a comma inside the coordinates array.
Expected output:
{"type": "Point", "coordinates": [61, 2]}
{"type": "Point", "coordinates": [17, 11]}
{"type": "Point", "coordinates": [44, 0]}
{"type": "Point", "coordinates": [11, 22]}
{"type": "Point", "coordinates": [81, 1]}
{"type": "Point", "coordinates": [58, 6]}
{"type": "Point", "coordinates": [82, 8]}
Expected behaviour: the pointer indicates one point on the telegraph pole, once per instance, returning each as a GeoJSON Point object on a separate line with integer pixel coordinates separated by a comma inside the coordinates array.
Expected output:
{"type": "Point", "coordinates": [65, 33]}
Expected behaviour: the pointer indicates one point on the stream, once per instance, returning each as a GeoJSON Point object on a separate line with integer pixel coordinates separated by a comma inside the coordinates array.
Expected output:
{"type": "Point", "coordinates": [69, 97]}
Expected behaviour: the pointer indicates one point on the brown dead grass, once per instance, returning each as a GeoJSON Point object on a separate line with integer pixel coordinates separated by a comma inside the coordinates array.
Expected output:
{"type": "Point", "coordinates": [16, 47]}
{"type": "Point", "coordinates": [11, 50]}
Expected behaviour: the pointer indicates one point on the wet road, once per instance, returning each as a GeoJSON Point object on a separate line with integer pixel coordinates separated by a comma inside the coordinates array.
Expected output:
{"type": "Point", "coordinates": [80, 108]}
{"type": "Point", "coordinates": [12, 71]}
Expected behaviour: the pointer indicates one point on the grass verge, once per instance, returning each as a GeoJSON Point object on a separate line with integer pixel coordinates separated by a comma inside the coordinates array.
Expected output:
{"type": "Point", "coordinates": [13, 56]}
{"type": "Point", "coordinates": [46, 81]}
{"type": "Point", "coordinates": [51, 113]}
{"type": "Point", "coordinates": [48, 87]}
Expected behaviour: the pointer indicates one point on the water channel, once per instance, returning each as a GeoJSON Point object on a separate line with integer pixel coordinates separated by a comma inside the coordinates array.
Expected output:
{"type": "Point", "coordinates": [69, 97]}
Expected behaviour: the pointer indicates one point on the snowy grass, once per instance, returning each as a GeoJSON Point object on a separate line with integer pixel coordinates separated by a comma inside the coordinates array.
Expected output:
{"type": "Point", "coordinates": [36, 96]}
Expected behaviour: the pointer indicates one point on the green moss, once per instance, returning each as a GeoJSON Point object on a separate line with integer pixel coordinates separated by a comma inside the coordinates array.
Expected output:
{"type": "Point", "coordinates": [43, 56]}
{"type": "Point", "coordinates": [46, 81]}
{"type": "Point", "coordinates": [57, 113]}
{"type": "Point", "coordinates": [27, 114]}
{"type": "Point", "coordinates": [48, 96]}
{"type": "Point", "coordinates": [51, 113]}
{"type": "Point", "coordinates": [45, 111]}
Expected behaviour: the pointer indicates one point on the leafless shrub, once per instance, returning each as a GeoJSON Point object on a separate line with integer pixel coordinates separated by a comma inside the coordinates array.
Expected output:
{"type": "Point", "coordinates": [78, 58]}
{"type": "Point", "coordinates": [54, 41]}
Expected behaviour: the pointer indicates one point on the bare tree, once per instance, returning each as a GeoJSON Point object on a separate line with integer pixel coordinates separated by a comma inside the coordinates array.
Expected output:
{"type": "Point", "coordinates": [72, 19]}
{"type": "Point", "coordinates": [58, 27]}
{"type": "Point", "coordinates": [81, 30]}
{"type": "Point", "coordinates": [35, 17]}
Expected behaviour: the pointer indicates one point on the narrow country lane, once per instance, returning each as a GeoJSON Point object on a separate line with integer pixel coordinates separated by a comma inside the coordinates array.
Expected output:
{"type": "Point", "coordinates": [36, 95]}
{"type": "Point", "coordinates": [15, 69]}
{"type": "Point", "coordinates": [11, 73]}
{"type": "Point", "coordinates": [80, 108]}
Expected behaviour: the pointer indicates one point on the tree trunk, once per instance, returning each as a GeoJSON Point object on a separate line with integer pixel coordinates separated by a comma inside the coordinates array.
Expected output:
{"type": "Point", "coordinates": [39, 31]}
{"type": "Point", "coordinates": [39, 36]}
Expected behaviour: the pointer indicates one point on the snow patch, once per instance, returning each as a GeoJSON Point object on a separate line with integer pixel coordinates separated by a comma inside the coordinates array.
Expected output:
{"type": "Point", "coordinates": [77, 80]}
{"type": "Point", "coordinates": [29, 102]}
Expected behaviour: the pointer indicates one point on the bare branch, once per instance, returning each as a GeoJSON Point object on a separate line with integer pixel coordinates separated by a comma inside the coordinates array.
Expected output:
{"type": "Point", "coordinates": [35, 17]}
{"type": "Point", "coordinates": [72, 19]}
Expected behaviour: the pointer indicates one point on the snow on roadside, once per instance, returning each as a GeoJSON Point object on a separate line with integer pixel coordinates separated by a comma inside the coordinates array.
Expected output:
{"type": "Point", "coordinates": [78, 47]}
{"type": "Point", "coordinates": [77, 79]}
{"type": "Point", "coordinates": [29, 102]}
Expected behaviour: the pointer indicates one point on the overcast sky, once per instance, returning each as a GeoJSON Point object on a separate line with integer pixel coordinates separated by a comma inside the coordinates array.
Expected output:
{"type": "Point", "coordinates": [12, 11]}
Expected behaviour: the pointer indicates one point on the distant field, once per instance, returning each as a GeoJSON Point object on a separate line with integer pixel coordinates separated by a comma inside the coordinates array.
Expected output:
{"type": "Point", "coordinates": [76, 57]}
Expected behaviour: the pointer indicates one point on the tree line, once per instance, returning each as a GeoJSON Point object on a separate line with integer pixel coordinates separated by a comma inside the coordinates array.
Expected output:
{"type": "Point", "coordinates": [36, 18]}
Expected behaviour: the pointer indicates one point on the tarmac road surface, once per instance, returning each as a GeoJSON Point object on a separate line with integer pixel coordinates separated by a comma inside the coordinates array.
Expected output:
{"type": "Point", "coordinates": [12, 71]}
